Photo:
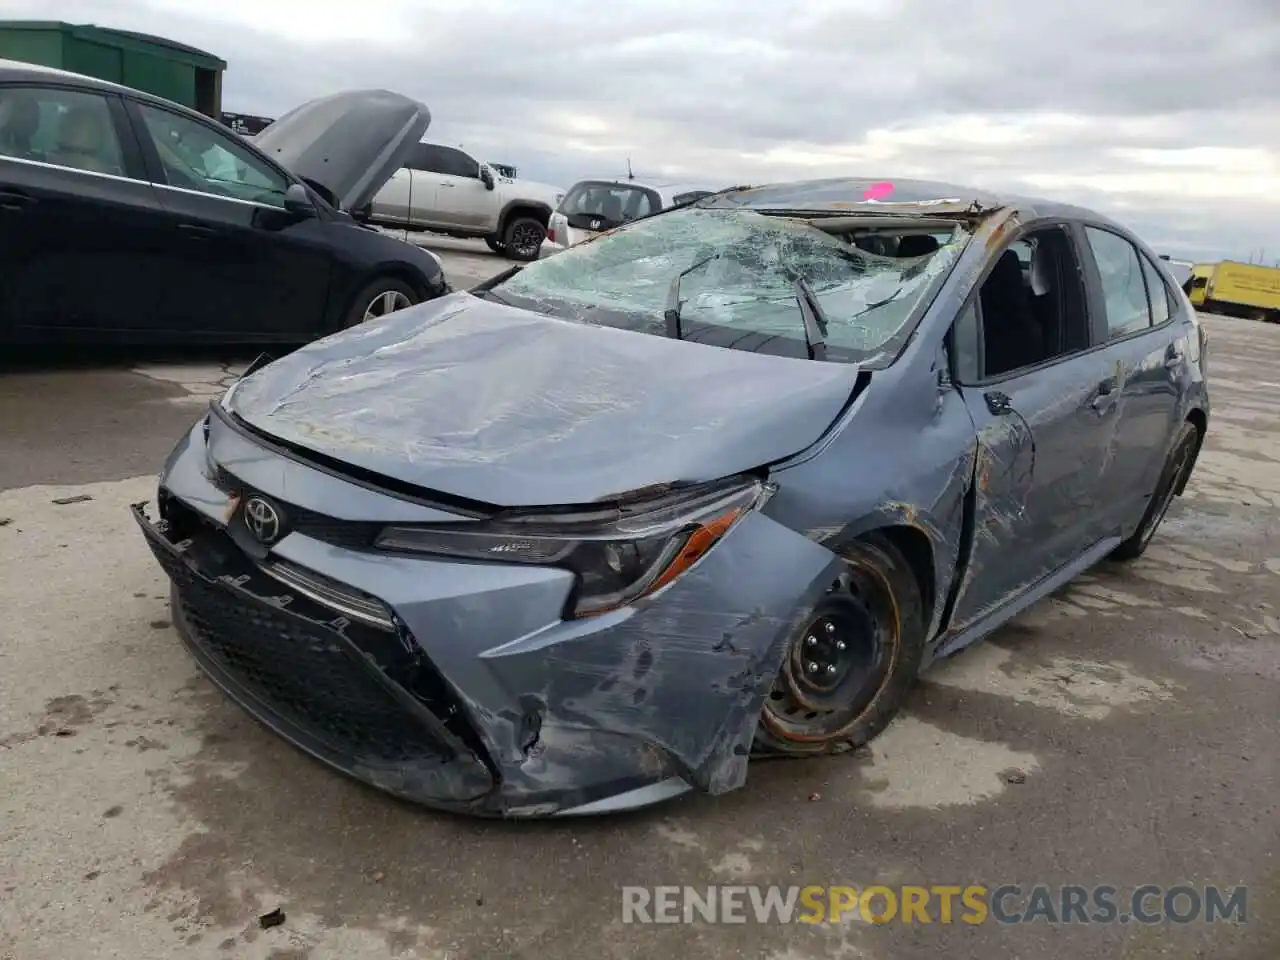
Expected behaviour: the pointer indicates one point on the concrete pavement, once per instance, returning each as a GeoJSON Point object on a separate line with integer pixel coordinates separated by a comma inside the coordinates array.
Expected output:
{"type": "Point", "coordinates": [1120, 733]}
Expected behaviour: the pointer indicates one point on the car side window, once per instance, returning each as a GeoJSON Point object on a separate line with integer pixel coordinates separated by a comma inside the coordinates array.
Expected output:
{"type": "Point", "coordinates": [69, 128]}
{"type": "Point", "coordinates": [1124, 291]}
{"type": "Point", "coordinates": [455, 163]}
{"type": "Point", "coordinates": [1028, 311]}
{"type": "Point", "coordinates": [195, 157]}
{"type": "Point", "coordinates": [1157, 293]}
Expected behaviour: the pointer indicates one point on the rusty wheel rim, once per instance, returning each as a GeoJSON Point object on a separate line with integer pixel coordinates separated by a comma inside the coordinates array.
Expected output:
{"type": "Point", "coordinates": [837, 666]}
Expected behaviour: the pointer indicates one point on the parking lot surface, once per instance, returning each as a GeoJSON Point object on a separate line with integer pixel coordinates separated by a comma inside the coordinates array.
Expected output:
{"type": "Point", "coordinates": [1122, 732]}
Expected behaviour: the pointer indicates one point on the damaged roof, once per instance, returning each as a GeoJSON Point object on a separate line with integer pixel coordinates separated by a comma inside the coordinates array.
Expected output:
{"type": "Point", "coordinates": [877, 195]}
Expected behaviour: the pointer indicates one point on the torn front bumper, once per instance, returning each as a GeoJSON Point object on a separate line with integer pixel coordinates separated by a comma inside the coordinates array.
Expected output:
{"type": "Point", "coordinates": [459, 685]}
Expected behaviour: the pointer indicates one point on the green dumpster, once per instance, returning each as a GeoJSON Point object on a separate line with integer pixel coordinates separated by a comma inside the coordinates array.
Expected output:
{"type": "Point", "coordinates": [155, 65]}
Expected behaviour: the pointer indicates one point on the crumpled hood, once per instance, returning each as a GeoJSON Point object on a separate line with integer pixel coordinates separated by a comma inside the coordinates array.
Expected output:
{"type": "Point", "coordinates": [350, 143]}
{"type": "Point", "coordinates": [508, 407]}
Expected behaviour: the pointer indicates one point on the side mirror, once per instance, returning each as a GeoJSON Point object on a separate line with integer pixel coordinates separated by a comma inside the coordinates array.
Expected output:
{"type": "Point", "coordinates": [297, 202]}
{"type": "Point", "coordinates": [486, 176]}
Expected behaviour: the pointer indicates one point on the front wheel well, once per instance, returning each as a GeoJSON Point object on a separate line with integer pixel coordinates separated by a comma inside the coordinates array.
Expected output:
{"type": "Point", "coordinates": [541, 214]}
{"type": "Point", "coordinates": [917, 550]}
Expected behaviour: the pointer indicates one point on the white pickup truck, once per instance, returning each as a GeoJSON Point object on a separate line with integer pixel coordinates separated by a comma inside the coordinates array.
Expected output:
{"type": "Point", "coordinates": [445, 190]}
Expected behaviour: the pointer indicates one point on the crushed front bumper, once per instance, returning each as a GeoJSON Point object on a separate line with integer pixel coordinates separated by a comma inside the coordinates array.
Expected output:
{"type": "Point", "coordinates": [459, 686]}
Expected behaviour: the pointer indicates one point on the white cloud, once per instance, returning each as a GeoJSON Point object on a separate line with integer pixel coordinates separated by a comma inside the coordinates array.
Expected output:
{"type": "Point", "coordinates": [1172, 129]}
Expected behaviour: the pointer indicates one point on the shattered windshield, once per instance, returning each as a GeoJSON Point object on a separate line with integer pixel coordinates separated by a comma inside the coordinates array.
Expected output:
{"type": "Point", "coordinates": [742, 285]}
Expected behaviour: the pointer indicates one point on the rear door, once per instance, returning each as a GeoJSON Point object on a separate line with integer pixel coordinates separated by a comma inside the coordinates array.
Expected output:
{"type": "Point", "coordinates": [1133, 310]}
{"type": "Point", "coordinates": [1041, 429]}
{"type": "Point", "coordinates": [462, 199]}
{"type": "Point", "coordinates": [238, 263]}
{"type": "Point", "coordinates": [81, 229]}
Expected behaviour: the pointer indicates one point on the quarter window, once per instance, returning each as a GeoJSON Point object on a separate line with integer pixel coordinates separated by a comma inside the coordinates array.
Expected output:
{"type": "Point", "coordinates": [196, 157]}
{"type": "Point", "coordinates": [1157, 293]}
{"type": "Point", "coordinates": [1123, 288]}
{"type": "Point", "coordinates": [69, 128]}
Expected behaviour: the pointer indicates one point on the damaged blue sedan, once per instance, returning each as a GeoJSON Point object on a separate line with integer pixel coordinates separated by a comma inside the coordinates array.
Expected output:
{"type": "Point", "coordinates": [717, 484]}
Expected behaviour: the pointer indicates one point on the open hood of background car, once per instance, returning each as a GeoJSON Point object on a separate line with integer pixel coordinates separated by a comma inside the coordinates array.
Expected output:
{"type": "Point", "coordinates": [508, 407]}
{"type": "Point", "coordinates": [349, 143]}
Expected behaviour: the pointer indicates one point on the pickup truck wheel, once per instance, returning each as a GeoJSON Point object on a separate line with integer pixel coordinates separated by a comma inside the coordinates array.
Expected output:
{"type": "Point", "coordinates": [494, 244]}
{"type": "Point", "coordinates": [522, 239]}
{"type": "Point", "coordinates": [379, 298]}
{"type": "Point", "coordinates": [849, 666]}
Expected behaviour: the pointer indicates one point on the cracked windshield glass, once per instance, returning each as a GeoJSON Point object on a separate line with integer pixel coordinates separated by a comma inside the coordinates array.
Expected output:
{"type": "Point", "coordinates": [740, 270]}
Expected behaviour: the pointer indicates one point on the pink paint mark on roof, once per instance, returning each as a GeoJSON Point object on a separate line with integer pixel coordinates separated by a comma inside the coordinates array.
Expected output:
{"type": "Point", "coordinates": [878, 191]}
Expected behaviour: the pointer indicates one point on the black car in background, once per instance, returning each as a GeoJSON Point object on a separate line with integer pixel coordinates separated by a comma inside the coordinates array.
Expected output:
{"type": "Point", "coordinates": [127, 218]}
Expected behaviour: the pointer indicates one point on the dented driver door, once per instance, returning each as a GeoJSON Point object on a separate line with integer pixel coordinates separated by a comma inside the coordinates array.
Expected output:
{"type": "Point", "coordinates": [1040, 439]}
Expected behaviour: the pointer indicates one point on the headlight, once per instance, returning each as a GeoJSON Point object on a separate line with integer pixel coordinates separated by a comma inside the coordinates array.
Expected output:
{"type": "Point", "coordinates": [618, 555]}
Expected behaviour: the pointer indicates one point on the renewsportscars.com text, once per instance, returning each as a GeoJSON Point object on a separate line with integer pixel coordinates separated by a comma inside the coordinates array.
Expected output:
{"type": "Point", "coordinates": [937, 903]}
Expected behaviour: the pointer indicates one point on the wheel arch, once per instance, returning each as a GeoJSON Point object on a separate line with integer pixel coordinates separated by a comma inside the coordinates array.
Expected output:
{"type": "Point", "coordinates": [532, 208]}
{"type": "Point", "coordinates": [1199, 419]}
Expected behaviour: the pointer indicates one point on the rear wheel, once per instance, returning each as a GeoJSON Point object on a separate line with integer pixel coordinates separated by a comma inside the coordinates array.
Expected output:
{"type": "Point", "coordinates": [1176, 469]}
{"type": "Point", "coordinates": [383, 296]}
{"type": "Point", "coordinates": [848, 669]}
{"type": "Point", "coordinates": [522, 238]}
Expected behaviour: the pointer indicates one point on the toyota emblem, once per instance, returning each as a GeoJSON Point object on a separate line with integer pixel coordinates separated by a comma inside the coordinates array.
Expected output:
{"type": "Point", "coordinates": [262, 520]}
{"type": "Point", "coordinates": [595, 224]}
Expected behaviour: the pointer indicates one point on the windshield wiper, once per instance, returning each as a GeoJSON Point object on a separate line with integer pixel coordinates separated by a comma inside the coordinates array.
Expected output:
{"type": "Point", "coordinates": [814, 320]}
{"type": "Point", "coordinates": [672, 313]}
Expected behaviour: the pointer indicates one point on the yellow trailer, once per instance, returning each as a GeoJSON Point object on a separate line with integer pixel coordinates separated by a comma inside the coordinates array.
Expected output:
{"type": "Point", "coordinates": [1237, 289]}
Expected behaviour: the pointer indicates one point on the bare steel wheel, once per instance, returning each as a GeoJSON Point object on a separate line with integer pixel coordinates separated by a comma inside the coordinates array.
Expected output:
{"type": "Point", "coordinates": [378, 299]}
{"type": "Point", "coordinates": [846, 671]}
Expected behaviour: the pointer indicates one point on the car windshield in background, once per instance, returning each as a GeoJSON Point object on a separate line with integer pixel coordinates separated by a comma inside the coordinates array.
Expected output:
{"type": "Point", "coordinates": [611, 204]}
{"type": "Point", "coordinates": [740, 270]}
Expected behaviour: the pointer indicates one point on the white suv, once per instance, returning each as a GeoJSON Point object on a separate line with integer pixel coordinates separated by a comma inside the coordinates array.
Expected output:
{"type": "Point", "coordinates": [445, 190]}
{"type": "Point", "coordinates": [593, 206]}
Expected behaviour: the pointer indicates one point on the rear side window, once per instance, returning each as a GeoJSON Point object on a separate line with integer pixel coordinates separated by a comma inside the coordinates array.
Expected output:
{"type": "Point", "coordinates": [1124, 290]}
{"type": "Point", "coordinates": [69, 128]}
{"type": "Point", "coordinates": [1157, 293]}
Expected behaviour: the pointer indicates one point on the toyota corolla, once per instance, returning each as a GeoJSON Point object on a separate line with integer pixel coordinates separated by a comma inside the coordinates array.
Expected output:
{"type": "Point", "coordinates": [714, 485]}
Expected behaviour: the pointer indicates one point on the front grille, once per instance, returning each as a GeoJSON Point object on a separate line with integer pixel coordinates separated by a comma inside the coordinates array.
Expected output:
{"type": "Point", "coordinates": [304, 674]}
{"type": "Point", "coordinates": [351, 534]}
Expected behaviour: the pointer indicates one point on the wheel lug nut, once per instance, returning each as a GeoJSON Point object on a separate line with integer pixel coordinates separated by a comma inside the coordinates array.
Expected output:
{"type": "Point", "coordinates": [812, 667]}
{"type": "Point", "coordinates": [830, 628]}
{"type": "Point", "coordinates": [811, 641]}
{"type": "Point", "coordinates": [831, 670]}
{"type": "Point", "coordinates": [840, 644]}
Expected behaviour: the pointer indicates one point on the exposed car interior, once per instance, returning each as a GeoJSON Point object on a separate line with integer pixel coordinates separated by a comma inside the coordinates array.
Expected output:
{"type": "Point", "coordinates": [1032, 304]}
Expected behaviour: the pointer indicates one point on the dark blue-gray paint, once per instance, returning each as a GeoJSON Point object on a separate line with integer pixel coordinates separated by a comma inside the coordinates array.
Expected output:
{"type": "Point", "coordinates": [668, 690]}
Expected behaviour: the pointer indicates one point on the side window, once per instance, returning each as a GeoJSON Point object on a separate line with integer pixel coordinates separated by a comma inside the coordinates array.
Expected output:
{"type": "Point", "coordinates": [1157, 294]}
{"type": "Point", "coordinates": [423, 158]}
{"type": "Point", "coordinates": [964, 346]}
{"type": "Point", "coordinates": [1123, 288]}
{"type": "Point", "coordinates": [1032, 305]}
{"type": "Point", "coordinates": [196, 157]}
{"type": "Point", "coordinates": [458, 164]}
{"type": "Point", "coordinates": [69, 128]}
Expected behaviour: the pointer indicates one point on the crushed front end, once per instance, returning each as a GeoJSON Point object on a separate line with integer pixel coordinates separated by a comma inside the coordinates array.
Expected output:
{"type": "Point", "coordinates": [455, 682]}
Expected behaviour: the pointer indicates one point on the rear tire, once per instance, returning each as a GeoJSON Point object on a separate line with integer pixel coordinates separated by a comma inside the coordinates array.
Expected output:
{"type": "Point", "coordinates": [1176, 468]}
{"type": "Point", "coordinates": [522, 238]}
{"type": "Point", "coordinates": [850, 666]}
{"type": "Point", "coordinates": [377, 299]}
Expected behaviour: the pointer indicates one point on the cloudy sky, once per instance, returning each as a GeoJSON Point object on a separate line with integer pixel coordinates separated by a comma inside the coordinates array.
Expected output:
{"type": "Point", "coordinates": [1165, 115]}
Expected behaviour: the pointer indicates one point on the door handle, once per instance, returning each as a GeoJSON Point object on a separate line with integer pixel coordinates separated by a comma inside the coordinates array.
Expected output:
{"type": "Point", "coordinates": [197, 230]}
{"type": "Point", "coordinates": [1104, 395]}
{"type": "Point", "coordinates": [444, 183]}
{"type": "Point", "coordinates": [15, 201]}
